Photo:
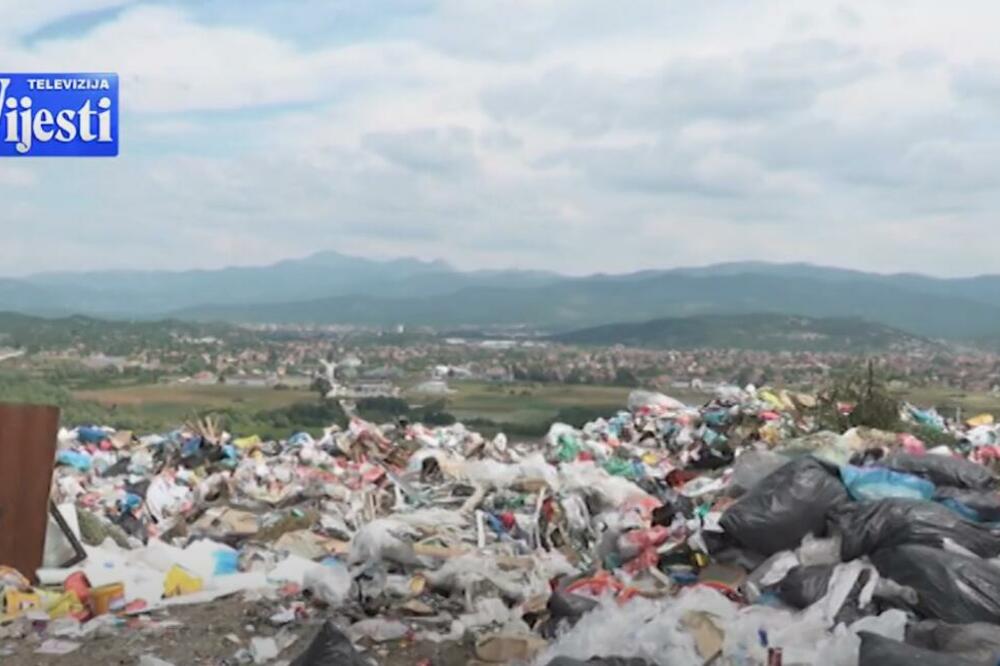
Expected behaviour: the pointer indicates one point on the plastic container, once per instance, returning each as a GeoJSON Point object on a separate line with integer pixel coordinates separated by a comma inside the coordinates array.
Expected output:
{"type": "Point", "coordinates": [107, 598]}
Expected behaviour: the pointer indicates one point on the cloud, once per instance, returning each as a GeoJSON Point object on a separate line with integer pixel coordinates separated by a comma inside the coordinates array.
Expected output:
{"type": "Point", "coordinates": [559, 134]}
{"type": "Point", "coordinates": [434, 150]}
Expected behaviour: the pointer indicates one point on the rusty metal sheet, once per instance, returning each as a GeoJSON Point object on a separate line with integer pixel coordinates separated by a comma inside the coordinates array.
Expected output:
{"type": "Point", "coordinates": [27, 452]}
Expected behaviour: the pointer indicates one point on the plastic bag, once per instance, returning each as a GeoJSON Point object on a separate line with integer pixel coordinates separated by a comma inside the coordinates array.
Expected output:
{"type": "Point", "coordinates": [330, 583]}
{"type": "Point", "coordinates": [983, 504]}
{"type": "Point", "coordinates": [753, 466]}
{"type": "Point", "coordinates": [874, 483]}
{"type": "Point", "coordinates": [785, 506]}
{"type": "Point", "coordinates": [330, 647]}
{"type": "Point", "coordinates": [943, 470]}
{"type": "Point", "coordinates": [880, 651]}
{"type": "Point", "coordinates": [977, 640]}
{"type": "Point", "coordinates": [819, 551]}
{"type": "Point", "coordinates": [639, 400]}
{"type": "Point", "coordinates": [868, 526]}
{"type": "Point", "coordinates": [949, 587]}
{"type": "Point", "coordinates": [803, 586]}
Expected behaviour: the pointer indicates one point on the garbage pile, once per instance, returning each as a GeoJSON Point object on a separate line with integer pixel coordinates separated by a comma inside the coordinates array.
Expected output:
{"type": "Point", "coordinates": [729, 533]}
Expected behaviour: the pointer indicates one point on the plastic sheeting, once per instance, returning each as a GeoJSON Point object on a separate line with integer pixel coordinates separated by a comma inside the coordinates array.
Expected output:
{"type": "Point", "coordinates": [787, 505]}
{"type": "Point", "coordinates": [949, 587]}
{"type": "Point", "coordinates": [868, 526]}
{"type": "Point", "coordinates": [873, 483]}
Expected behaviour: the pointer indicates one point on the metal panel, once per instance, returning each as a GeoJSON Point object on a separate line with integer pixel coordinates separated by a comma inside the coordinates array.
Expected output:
{"type": "Point", "coordinates": [27, 452]}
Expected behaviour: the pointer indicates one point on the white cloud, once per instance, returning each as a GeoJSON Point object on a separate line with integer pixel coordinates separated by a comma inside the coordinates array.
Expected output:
{"type": "Point", "coordinates": [565, 134]}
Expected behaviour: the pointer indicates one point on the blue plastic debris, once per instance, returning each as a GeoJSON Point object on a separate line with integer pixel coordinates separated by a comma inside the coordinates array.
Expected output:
{"type": "Point", "coordinates": [874, 483]}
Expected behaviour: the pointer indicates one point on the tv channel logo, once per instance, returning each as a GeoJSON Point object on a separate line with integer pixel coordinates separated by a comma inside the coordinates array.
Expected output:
{"type": "Point", "coordinates": [58, 115]}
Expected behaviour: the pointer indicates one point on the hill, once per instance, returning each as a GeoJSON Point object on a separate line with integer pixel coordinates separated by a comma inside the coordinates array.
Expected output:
{"type": "Point", "coordinates": [581, 302]}
{"type": "Point", "coordinates": [767, 332]}
{"type": "Point", "coordinates": [332, 288]}
{"type": "Point", "coordinates": [111, 337]}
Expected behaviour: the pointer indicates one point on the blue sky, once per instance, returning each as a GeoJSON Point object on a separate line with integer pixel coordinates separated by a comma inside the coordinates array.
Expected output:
{"type": "Point", "coordinates": [573, 135]}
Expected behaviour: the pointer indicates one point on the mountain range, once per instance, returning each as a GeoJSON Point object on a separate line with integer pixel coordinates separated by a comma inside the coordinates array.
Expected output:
{"type": "Point", "coordinates": [329, 287]}
{"type": "Point", "coordinates": [764, 331]}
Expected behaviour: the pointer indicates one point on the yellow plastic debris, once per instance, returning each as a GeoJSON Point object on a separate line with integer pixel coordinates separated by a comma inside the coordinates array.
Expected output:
{"type": "Point", "coordinates": [179, 581]}
{"type": "Point", "coordinates": [18, 601]}
{"type": "Point", "coordinates": [770, 398]}
{"type": "Point", "coordinates": [63, 604]}
{"type": "Point", "coordinates": [980, 420]}
{"type": "Point", "coordinates": [247, 442]}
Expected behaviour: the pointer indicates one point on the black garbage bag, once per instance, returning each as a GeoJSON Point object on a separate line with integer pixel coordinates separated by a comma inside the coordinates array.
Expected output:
{"type": "Point", "coordinates": [671, 502]}
{"type": "Point", "coordinates": [600, 661]}
{"type": "Point", "coordinates": [712, 457]}
{"type": "Point", "coordinates": [943, 470]}
{"type": "Point", "coordinates": [977, 640]}
{"type": "Point", "coordinates": [788, 504]}
{"type": "Point", "coordinates": [881, 651]}
{"type": "Point", "coordinates": [803, 586]}
{"type": "Point", "coordinates": [949, 586]}
{"type": "Point", "coordinates": [567, 606]}
{"type": "Point", "coordinates": [986, 503]}
{"type": "Point", "coordinates": [868, 526]}
{"type": "Point", "coordinates": [330, 647]}
{"type": "Point", "coordinates": [119, 468]}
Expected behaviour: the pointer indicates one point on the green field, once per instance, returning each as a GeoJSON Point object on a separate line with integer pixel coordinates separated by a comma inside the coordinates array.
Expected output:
{"type": "Point", "coordinates": [194, 396]}
{"type": "Point", "coordinates": [947, 400]}
{"type": "Point", "coordinates": [533, 403]}
{"type": "Point", "coordinates": [159, 406]}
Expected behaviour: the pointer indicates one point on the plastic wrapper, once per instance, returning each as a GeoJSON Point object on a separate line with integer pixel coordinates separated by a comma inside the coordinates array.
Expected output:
{"type": "Point", "coordinates": [949, 587]}
{"type": "Point", "coordinates": [943, 470]}
{"type": "Point", "coordinates": [787, 505]}
{"type": "Point", "coordinates": [330, 647]}
{"type": "Point", "coordinates": [880, 651]}
{"type": "Point", "coordinates": [868, 526]}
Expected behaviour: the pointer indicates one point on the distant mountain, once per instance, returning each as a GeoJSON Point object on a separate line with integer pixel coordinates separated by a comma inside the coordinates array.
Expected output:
{"type": "Point", "coordinates": [750, 331]}
{"type": "Point", "coordinates": [150, 293]}
{"type": "Point", "coordinates": [131, 293]}
{"type": "Point", "coordinates": [581, 302]}
{"type": "Point", "coordinates": [329, 287]}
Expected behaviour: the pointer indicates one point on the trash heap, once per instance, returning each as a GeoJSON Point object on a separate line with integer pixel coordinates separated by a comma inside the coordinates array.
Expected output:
{"type": "Point", "coordinates": [730, 533]}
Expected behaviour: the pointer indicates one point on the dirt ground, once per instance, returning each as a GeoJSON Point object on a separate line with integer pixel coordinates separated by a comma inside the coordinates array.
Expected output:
{"type": "Point", "coordinates": [205, 638]}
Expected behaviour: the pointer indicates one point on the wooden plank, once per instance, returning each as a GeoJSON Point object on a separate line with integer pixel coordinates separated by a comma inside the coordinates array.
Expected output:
{"type": "Point", "coordinates": [27, 452]}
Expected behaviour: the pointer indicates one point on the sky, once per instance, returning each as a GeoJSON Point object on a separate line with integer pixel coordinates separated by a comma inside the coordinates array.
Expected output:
{"type": "Point", "coordinates": [580, 136]}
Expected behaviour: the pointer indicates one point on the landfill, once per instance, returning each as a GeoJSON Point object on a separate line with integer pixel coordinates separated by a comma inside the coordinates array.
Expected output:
{"type": "Point", "coordinates": [733, 532]}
